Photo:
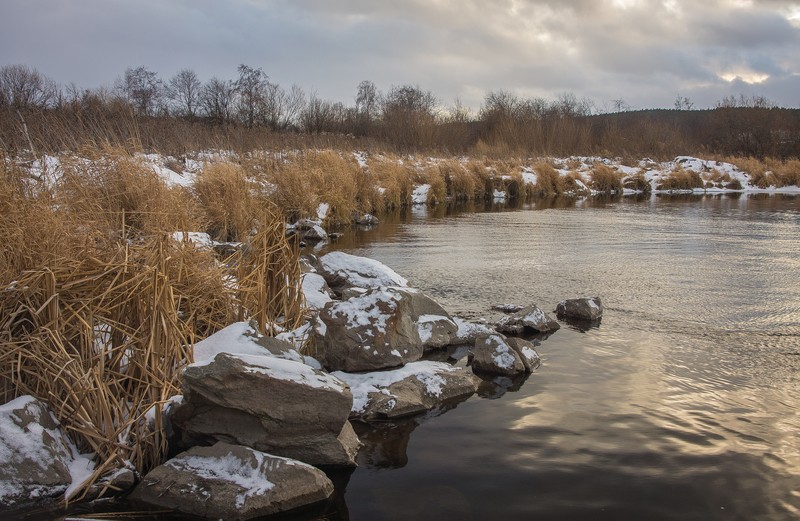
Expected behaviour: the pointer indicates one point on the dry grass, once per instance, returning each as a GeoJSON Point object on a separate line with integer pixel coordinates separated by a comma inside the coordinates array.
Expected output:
{"type": "Point", "coordinates": [605, 179]}
{"type": "Point", "coordinates": [228, 199]}
{"type": "Point", "coordinates": [680, 179]}
{"type": "Point", "coordinates": [768, 172]}
{"type": "Point", "coordinates": [309, 178]}
{"type": "Point", "coordinates": [99, 315]}
{"type": "Point", "coordinates": [395, 178]}
{"type": "Point", "coordinates": [638, 182]}
{"type": "Point", "coordinates": [548, 180]}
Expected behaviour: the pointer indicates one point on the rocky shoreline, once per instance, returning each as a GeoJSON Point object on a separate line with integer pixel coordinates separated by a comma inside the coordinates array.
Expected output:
{"type": "Point", "coordinates": [259, 421]}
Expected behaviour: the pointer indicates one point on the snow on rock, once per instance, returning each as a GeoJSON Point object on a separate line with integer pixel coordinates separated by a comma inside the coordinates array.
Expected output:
{"type": "Point", "coordinates": [242, 338]}
{"type": "Point", "coordinates": [322, 211]}
{"type": "Point", "coordinates": [420, 194]}
{"type": "Point", "coordinates": [227, 481]}
{"type": "Point", "coordinates": [468, 332]}
{"type": "Point", "coordinates": [492, 354]}
{"type": "Point", "coordinates": [372, 331]}
{"type": "Point", "coordinates": [412, 389]}
{"type": "Point", "coordinates": [342, 269]}
{"type": "Point", "coordinates": [315, 290]}
{"type": "Point", "coordinates": [36, 457]}
{"type": "Point", "coordinates": [529, 177]}
{"type": "Point", "coordinates": [530, 318]}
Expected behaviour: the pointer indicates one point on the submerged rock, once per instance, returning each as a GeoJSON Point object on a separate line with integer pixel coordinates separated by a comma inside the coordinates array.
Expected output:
{"type": "Point", "coordinates": [278, 406]}
{"type": "Point", "coordinates": [232, 482]}
{"type": "Point", "coordinates": [416, 388]}
{"type": "Point", "coordinates": [37, 460]}
{"type": "Point", "coordinates": [368, 332]}
{"type": "Point", "coordinates": [529, 319]}
{"type": "Point", "coordinates": [587, 309]}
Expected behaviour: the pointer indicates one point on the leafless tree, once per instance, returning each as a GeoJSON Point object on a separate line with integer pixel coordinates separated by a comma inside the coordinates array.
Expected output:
{"type": "Point", "coordinates": [251, 94]}
{"type": "Point", "coordinates": [184, 90]}
{"type": "Point", "coordinates": [215, 100]}
{"type": "Point", "coordinates": [25, 87]}
{"type": "Point", "coordinates": [142, 88]}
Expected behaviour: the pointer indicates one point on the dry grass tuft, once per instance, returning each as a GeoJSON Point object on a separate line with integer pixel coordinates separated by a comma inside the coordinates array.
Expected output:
{"type": "Point", "coordinates": [395, 179]}
{"type": "Point", "coordinates": [638, 182]}
{"type": "Point", "coordinates": [680, 179]}
{"type": "Point", "coordinates": [548, 180]}
{"type": "Point", "coordinates": [605, 179]}
{"type": "Point", "coordinates": [228, 199]}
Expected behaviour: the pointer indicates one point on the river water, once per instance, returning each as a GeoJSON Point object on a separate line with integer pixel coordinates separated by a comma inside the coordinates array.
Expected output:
{"type": "Point", "coordinates": [682, 404]}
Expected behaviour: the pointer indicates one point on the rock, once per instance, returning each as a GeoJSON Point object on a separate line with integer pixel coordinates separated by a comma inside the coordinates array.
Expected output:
{"type": "Point", "coordinates": [348, 293]}
{"type": "Point", "coordinates": [244, 338]}
{"type": "Point", "coordinates": [309, 264]}
{"type": "Point", "coordinates": [37, 460]}
{"type": "Point", "coordinates": [435, 325]}
{"type": "Point", "coordinates": [369, 332]}
{"type": "Point", "coordinates": [278, 406]}
{"type": "Point", "coordinates": [315, 234]}
{"type": "Point", "coordinates": [588, 309]}
{"type": "Point", "coordinates": [316, 291]}
{"type": "Point", "coordinates": [493, 355]}
{"type": "Point", "coordinates": [507, 308]}
{"type": "Point", "coordinates": [527, 353]}
{"type": "Point", "coordinates": [412, 389]}
{"type": "Point", "coordinates": [468, 332]}
{"type": "Point", "coordinates": [232, 482]}
{"type": "Point", "coordinates": [529, 319]}
{"type": "Point", "coordinates": [497, 386]}
{"type": "Point", "coordinates": [343, 270]}
{"type": "Point", "coordinates": [367, 220]}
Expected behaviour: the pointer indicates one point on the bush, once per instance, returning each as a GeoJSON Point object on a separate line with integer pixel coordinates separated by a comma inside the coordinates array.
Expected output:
{"type": "Point", "coordinates": [605, 180]}
{"type": "Point", "coordinates": [548, 180]}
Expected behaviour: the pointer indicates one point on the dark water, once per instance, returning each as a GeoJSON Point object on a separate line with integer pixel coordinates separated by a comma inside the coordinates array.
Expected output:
{"type": "Point", "coordinates": [682, 404]}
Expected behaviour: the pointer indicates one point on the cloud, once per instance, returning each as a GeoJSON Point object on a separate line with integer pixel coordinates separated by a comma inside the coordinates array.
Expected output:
{"type": "Point", "coordinates": [645, 51]}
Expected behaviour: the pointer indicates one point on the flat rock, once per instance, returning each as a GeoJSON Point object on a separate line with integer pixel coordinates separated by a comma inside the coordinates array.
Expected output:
{"type": "Point", "coordinates": [232, 482]}
{"type": "Point", "coordinates": [368, 332]}
{"type": "Point", "coordinates": [269, 404]}
{"type": "Point", "coordinates": [344, 270]}
{"type": "Point", "coordinates": [413, 389]}
{"type": "Point", "coordinates": [529, 319]}
{"type": "Point", "coordinates": [588, 309]}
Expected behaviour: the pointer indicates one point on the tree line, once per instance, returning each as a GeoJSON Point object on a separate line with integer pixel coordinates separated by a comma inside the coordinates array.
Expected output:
{"type": "Point", "coordinates": [144, 107]}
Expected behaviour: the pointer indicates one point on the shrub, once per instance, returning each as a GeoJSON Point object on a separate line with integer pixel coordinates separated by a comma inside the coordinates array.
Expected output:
{"type": "Point", "coordinates": [548, 180]}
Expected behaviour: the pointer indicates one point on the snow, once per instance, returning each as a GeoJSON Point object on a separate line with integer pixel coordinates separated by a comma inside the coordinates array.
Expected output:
{"type": "Point", "coordinates": [313, 287]}
{"type": "Point", "coordinates": [201, 240]}
{"type": "Point", "coordinates": [425, 325]}
{"type": "Point", "coordinates": [529, 177]}
{"type": "Point", "coordinates": [322, 211]}
{"type": "Point", "coordinates": [253, 480]}
{"type": "Point", "coordinates": [24, 446]}
{"type": "Point", "coordinates": [362, 385]}
{"type": "Point", "coordinates": [241, 338]}
{"type": "Point", "coordinates": [290, 371]}
{"type": "Point", "coordinates": [361, 271]}
{"type": "Point", "coordinates": [371, 310]}
{"type": "Point", "coordinates": [361, 158]}
{"type": "Point", "coordinates": [468, 329]}
{"type": "Point", "coordinates": [420, 195]}
{"type": "Point", "coordinates": [503, 355]}
{"type": "Point", "coordinates": [499, 195]}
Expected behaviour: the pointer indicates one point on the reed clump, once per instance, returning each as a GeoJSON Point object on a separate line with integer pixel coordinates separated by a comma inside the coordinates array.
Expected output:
{"type": "Point", "coordinates": [229, 200]}
{"type": "Point", "coordinates": [680, 179]}
{"type": "Point", "coordinates": [605, 179]}
{"type": "Point", "coordinates": [638, 182]}
{"type": "Point", "coordinates": [98, 315]}
{"type": "Point", "coordinates": [548, 180]}
{"type": "Point", "coordinates": [394, 179]}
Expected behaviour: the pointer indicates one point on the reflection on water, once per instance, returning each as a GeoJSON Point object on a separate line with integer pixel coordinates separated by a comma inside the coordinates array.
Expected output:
{"type": "Point", "coordinates": [681, 404]}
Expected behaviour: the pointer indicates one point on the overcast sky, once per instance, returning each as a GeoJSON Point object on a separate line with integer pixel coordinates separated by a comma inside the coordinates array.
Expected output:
{"type": "Point", "coordinates": [645, 52]}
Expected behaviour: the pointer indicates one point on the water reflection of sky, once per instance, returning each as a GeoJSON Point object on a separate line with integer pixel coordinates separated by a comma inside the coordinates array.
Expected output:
{"type": "Point", "coordinates": [681, 405]}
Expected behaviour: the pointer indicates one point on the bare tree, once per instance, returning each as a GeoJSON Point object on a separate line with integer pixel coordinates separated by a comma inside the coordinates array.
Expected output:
{"type": "Point", "coordinates": [683, 103]}
{"type": "Point", "coordinates": [142, 88]}
{"type": "Point", "coordinates": [252, 90]}
{"type": "Point", "coordinates": [408, 116]}
{"type": "Point", "coordinates": [184, 90]}
{"type": "Point", "coordinates": [25, 87]}
{"type": "Point", "coordinates": [215, 100]}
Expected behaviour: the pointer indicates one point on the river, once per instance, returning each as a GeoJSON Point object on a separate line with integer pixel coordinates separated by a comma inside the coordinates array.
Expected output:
{"type": "Point", "coordinates": [682, 404]}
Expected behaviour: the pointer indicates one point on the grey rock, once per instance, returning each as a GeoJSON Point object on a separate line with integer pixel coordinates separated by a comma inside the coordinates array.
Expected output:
{"type": "Point", "coordinates": [588, 309]}
{"type": "Point", "coordinates": [414, 389]}
{"type": "Point", "coordinates": [278, 406]}
{"type": "Point", "coordinates": [369, 332]}
{"type": "Point", "coordinates": [529, 319]}
{"type": "Point", "coordinates": [343, 270]}
{"type": "Point", "coordinates": [527, 353]}
{"type": "Point", "coordinates": [232, 482]}
{"type": "Point", "coordinates": [367, 220]}
{"type": "Point", "coordinates": [493, 355]}
{"type": "Point", "coordinates": [35, 454]}
{"type": "Point", "coordinates": [435, 325]}
{"type": "Point", "coordinates": [315, 234]}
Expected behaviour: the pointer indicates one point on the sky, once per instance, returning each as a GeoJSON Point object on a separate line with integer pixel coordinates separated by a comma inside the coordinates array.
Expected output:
{"type": "Point", "coordinates": [645, 53]}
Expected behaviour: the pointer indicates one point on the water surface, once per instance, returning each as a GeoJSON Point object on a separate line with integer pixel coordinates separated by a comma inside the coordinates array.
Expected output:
{"type": "Point", "coordinates": [681, 405]}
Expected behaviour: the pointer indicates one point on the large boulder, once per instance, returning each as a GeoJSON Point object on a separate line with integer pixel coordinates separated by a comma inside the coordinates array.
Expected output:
{"type": "Point", "coordinates": [343, 270]}
{"type": "Point", "coordinates": [586, 309]}
{"type": "Point", "coordinates": [232, 482]}
{"type": "Point", "coordinates": [528, 320]}
{"type": "Point", "coordinates": [435, 325]}
{"type": "Point", "coordinates": [270, 404]}
{"type": "Point", "coordinates": [37, 460]}
{"type": "Point", "coordinates": [244, 338]}
{"type": "Point", "coordinates": [415, 388]}
{"type": "Point", "coordinates": [368, 332]}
